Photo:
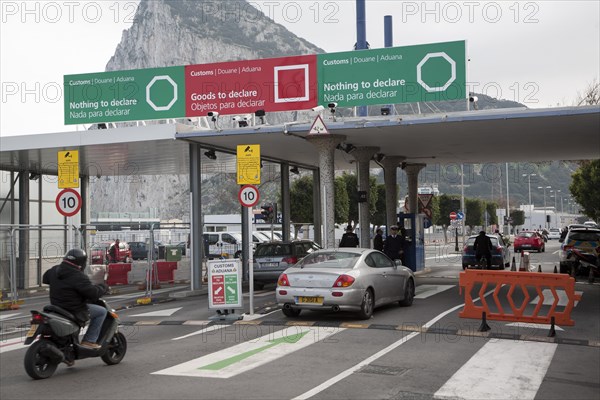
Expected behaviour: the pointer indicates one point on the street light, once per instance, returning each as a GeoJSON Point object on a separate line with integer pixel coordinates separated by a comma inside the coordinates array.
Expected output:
{"type": "Point", "coordinates": [530, 205]}
{"type": "Point", "coordinates": [545, 211]}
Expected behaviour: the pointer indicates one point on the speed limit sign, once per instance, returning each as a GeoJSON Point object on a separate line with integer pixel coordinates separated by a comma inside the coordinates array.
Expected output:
{"type": "Point", "coordinates": [248, 196]}
{"type": "Point", "coordinates": [68, 202]}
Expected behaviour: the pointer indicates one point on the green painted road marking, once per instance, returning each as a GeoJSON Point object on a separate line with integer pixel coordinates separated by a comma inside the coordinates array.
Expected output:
{"type": "Point", "coordinates": [272, 343]}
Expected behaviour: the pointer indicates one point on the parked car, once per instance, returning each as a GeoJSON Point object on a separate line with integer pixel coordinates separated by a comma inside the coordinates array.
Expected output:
{"type": "Point", "coordinates": [348, 279]}
{"type": "Point", "coordinates": [272, 258]}
{"type": "Point", "coordinates": [501, 255]}
{"type": "Point", "coordinates": [586, 240]}
{"type": "Point", "coordinates": [529, 241]}
{"type": "Point", "coordinates": [554, 233]}
{"type": "Point", "coordinates": [227, 244]}
{"type": "Point", "coordinates": [139, 250]}
{"type": "Point", "coordinates": [100, 252]}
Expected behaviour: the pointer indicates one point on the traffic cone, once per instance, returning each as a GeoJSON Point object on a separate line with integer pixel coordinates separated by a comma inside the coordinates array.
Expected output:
{"type": "Point", "coordinates": [540, 268]}
{"type": "Point", "coordinates": [555, 270]}
{"type": "Point", "coordinates": [513, 266]}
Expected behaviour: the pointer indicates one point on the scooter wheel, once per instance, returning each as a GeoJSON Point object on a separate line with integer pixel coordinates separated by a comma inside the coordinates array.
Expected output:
{"type": "Point", "coordinates": [116, 350]}
{"type": "Point", "coordinates": [37, 365]}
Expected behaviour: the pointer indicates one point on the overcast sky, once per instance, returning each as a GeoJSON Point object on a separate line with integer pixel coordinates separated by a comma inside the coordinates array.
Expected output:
{"type": "Point", "coordinates": [539, 53]}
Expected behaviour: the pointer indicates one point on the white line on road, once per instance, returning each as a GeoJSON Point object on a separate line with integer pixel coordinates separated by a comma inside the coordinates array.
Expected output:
{"type": "Point", "coordinates": [351, 370]}
{"type": "Point", "coordinates": [6, 317]}
{"type": "Point", "coordinates": [201, 331]}
{"type": "Point", "coordinates": [160, 313]}
{"type": "Point", "coordinates": [493, 371]}
{"type": "Point", "coordinates": [534, 326]}
{"type": "Point", "coordinates": [425, 291]}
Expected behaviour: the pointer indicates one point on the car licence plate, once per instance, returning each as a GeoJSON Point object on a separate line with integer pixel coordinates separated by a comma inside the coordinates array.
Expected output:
{"type": "Point", "coordinates": [32, 330]}
{"type": "Point", "coordinates": [270, 265]}
{"type": "Point", "coordinates": [309, 300]}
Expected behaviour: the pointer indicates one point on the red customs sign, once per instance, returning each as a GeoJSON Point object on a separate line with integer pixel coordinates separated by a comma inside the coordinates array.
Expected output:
{"type": "Point", "coordinates": [274, 84]}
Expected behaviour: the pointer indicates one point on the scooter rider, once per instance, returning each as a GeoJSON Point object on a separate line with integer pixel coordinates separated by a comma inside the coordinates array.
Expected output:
{"type": "Point", "coordinates": [71, 289]}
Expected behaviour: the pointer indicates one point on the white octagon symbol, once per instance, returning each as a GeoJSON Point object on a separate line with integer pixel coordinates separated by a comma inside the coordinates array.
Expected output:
{"type": "Point", "coordinates": [156, 79]}
{"type": "Point", "coordinates": [438, 88]}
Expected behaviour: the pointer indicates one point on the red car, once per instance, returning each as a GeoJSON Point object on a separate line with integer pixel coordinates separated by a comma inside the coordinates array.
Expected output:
{"type": "Point", "coordinates": [529, 241]}
{"type": "Point", "coordinates": [100, 252]}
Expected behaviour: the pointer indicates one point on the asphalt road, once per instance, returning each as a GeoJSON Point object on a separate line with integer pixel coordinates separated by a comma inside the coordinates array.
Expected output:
{"type": "Point", "coordinates": [419, 352]}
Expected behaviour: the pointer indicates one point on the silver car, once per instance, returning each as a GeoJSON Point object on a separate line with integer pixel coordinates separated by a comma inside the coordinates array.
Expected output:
{"type": "Point", "coordinates": [346, 279]}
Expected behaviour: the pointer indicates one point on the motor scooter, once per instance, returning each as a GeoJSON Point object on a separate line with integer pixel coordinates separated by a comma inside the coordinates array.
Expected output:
{"type": "Point", "coordinates": [585, 260]}
{"type": "Point", "coordinates": [55, 337]}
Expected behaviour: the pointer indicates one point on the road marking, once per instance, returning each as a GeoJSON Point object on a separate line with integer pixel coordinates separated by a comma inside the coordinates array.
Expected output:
{"type": "Point", "coordinates": [9, 316]}
{"type": "Point", "coordinates": [534, 326]}
{"type": "Point", "coordinates": [506, 369]}
{"type": "Point", "coordinates": [13, 345]}
{"type": "Point", "coordinates": [201, 331]}
{"type": "Point", "coordinates": [425, 291]}
{"type": "Point", "coordinates": [316, 390]}
{"type": "Point", "coordinates": [260, 294]}
{"type": "Point", "coordinates": [563, 299]}
{"type": "Point", "coordinates": [248, 355]}
{"type": "Point", "coordinates": [160, 313]}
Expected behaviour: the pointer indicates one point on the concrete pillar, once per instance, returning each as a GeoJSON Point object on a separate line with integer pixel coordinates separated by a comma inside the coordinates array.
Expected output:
{"type": "Point", "coordinates": [285, 200]}
{"type": "Point", "coordinates": [197, 239]}
{"type": "Point", "coordinates": [326, 144]}
{"type": "Point", "coordinates": [412, 173]}
{"type": "Point", "coordinates": [317, 221]}
{"type": "Point", "coordinates": [390, 176]}
{"type": "Point", "coordinates": [363, 156]}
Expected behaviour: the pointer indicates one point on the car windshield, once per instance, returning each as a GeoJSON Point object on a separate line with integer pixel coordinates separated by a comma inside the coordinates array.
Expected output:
{"type": "Point", "coordinates": [268, 250]}
{"type": "Point", "coordinates": [585, 236]}
{"type": "Point", "coordinates": [332, 259]}
{"type": "Point", "coordinates": [471, 240]}
{"type": "Point", "coordinates": [526, 234]}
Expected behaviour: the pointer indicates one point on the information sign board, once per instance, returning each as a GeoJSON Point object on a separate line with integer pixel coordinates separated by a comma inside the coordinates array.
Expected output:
{"type": "Point", "coordinates": [248, 164]}
{"type": "Point", "coordinates": [430, 72]}
{"type": "Point", "coordinates": [68, 169]}
{"type": "Point", "coordinates": [135, 95]}
{"type": "Point", "coordinates": [273, 84]}
{"type": "Point", "coordinates": [224, 284]}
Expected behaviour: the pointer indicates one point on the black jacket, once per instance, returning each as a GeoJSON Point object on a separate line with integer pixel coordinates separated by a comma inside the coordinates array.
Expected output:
{"type": "Point", "coordinates": [349, 239]}
{"type": "Point", "coordinates": [482, 245]}
{"type": "Point", "coordinates": [394, 247]}
{"type": "Point", "coordinates": [378, 242]}
{"type": "Point", "coordinates": [71, 289]}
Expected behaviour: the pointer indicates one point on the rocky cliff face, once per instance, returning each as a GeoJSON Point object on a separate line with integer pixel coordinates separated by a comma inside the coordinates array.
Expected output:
{"type": "Point", "coordinates": [181, 32]}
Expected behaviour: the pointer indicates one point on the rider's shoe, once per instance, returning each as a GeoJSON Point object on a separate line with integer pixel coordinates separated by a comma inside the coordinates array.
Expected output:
{"type": "Point", "coordinates": [90, 345]}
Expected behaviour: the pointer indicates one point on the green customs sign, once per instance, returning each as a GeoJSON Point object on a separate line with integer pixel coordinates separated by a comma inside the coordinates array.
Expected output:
{"type": "Point", "coordinates": [431, 72]}
{"type": "Point", "coordinates": [224, 284]}
{"type": "Point", "coordinates": [135, 95]}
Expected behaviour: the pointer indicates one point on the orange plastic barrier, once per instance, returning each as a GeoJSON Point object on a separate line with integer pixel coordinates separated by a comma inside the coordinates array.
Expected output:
{"type": "Point", "coordinates": [470, 278]}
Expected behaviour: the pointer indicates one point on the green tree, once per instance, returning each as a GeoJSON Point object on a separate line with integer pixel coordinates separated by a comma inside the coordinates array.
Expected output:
{"type": "Point", "coordinates": [379, 218]}
{"type": "Point", "coordinates": [491, 210]}
{"type": "Point", "coordinates": [441, 217]}
{"type": "Point", "coordinates": [585, 188]}
{"type": "Point", "coordinates": [474, 215]}
{"type": "Point", "coordinates": [301, 196]}
{"type": "Point", "coordinates": [518, 217]}
{"type": "Point", "coordinates": [342, 203]}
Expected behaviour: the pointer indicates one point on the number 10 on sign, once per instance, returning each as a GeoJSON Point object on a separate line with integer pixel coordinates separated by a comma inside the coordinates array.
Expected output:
{"type": "Point", "coordinates": [248, 196]}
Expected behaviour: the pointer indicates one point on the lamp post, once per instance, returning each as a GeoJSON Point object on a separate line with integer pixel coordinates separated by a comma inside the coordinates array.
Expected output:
{"type": "Point", "coordinates": [545, 211]}
{"type": "Point", "coordinates": [530, 205]}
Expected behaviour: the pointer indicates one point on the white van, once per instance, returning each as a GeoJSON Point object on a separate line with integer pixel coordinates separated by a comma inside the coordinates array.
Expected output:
{"type": "Point", "coordinates": [227, 244]}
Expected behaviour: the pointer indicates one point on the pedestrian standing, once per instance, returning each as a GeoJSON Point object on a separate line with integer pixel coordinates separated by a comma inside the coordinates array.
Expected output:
{"type": "Point", "coordinates": [393, 246]}
{"type": "Point", "coordinates": [349, 239]}
{"type": "Point", "coordinates": [378, 240]}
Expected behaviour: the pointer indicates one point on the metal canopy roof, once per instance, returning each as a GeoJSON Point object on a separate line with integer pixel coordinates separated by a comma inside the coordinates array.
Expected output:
{"type": "Point", "coordinates": [501, 135]}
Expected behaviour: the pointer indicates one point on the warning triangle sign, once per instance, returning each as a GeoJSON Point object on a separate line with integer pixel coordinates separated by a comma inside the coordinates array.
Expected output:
{"type": "Point", "coordinates": [318, 127]}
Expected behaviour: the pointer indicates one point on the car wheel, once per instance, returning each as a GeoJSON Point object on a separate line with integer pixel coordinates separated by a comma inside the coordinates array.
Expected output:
{"type": "Point", "coordinates": [465, 266]}
{"type": "Point", "coordinates": [409, 294]}
{"type": "Point", "coordinates": [291, 312]}
{"type": "Point", "coordinates": [366, 307]}
{"type": "Point", "coordinates": [543, 248]}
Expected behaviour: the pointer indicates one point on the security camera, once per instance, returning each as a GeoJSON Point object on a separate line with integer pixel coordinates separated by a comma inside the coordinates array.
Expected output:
{"type": "Point", "coordinates": [332, 105]}
{"type": "Point", "coordinates": [213, 114]}
{"type": "Point", "coordinates": [318, 108]}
